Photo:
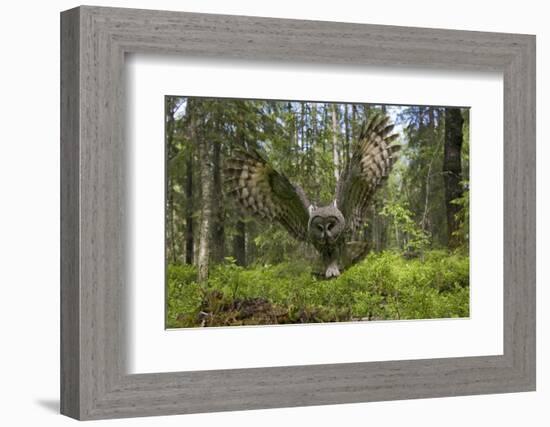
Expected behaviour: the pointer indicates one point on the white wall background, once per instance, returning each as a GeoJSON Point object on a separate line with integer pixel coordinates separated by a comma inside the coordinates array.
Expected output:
{"type": "Point", "coordinates": [29, 218]}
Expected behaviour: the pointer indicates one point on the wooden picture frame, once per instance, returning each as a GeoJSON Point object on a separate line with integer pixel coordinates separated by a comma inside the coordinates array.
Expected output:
{"type": "Point", "coordinates": [94, 382]}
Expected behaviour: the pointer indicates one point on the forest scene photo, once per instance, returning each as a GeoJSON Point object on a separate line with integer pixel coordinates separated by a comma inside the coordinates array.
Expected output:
{"type": "Point", "coordinates": [291, 212]}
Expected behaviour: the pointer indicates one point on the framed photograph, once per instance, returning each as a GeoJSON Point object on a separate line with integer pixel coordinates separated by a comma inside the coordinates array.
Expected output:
{"type": "Point", "coordinates": [278, 213]}
{"type": "Point", "coordinates": [317, 212]}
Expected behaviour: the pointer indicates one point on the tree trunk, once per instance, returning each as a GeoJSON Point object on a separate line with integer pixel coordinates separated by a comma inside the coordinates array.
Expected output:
{"type": "Point", "coordinates": [354, 122]}
{"type": "Point", "coordinates": [171, 153]}
{"type": "Point", "coordinates": [239, 243]}
{"type": "Point", "coordinates": [335, 148]}
{"type": "Point", "coordinates": [192, 136]}
{"type": "Point", "coordinates": [314, 133]}
{"type": "Point", "coordinates": [303, 144]}
{"type": "Point", "coordinates": [348, 134]}
{"type": "Point", "coordinates": [325, 126]}
{"type": "Point", "coordinates": [425, 223]}
{"type": "Point", "coordinates": [291, 129]}
{"type": "Point", "coordinates": [452, 170]}
{"type": "Point", "coordinates": [218, 227]}
{"type": "Point", "coordinates": [205, 229]}
{"type": "Point", "coordinates": [189, 208]}
{"type": "Point", "coordinates": [239, 240]}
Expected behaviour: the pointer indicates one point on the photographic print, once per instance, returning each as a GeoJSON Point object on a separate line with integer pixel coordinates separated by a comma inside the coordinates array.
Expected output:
{"type": "Point", "coordinates": [292, 212]}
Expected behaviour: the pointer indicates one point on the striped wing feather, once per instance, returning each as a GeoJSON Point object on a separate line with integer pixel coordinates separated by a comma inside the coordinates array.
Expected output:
{"type": "Point", "coordinates": [265, 193]}
{"type": "Point", "coordinates": [371, 162]}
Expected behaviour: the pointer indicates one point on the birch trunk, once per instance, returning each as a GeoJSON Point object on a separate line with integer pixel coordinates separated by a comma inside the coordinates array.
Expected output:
{"type": "Point", "coordinates": [335, 147]}
{"type": "Point", "coordinates": [205, 229]}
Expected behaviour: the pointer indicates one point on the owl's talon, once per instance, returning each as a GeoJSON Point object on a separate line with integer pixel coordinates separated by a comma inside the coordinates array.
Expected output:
{"type": "Point", "coordinates": [332, 271]}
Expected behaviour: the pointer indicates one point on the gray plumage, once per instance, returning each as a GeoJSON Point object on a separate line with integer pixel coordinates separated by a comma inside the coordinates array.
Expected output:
{"type": "Point", "coordinates": [268, 194]}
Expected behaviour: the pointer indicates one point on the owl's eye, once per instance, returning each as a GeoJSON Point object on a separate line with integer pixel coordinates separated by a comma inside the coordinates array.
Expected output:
{"type": "Point", "coordinates": [330, 226]}
{"type": "Point", "coordinates": [320, 227]}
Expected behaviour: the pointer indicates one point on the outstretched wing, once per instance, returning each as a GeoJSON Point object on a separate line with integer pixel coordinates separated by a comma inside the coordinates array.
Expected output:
{"type": "Point", "coordinates": [371, 162]}
{"type": "Point", "coordinates": [266, 193]}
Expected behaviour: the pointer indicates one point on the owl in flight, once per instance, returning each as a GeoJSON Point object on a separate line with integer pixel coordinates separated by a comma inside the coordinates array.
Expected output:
{"type": "Point", "coordinates": [268, 194]}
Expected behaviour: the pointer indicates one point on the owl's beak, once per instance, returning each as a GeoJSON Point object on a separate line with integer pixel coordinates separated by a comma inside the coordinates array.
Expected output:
{"type": "Point", "coordinates": [326, 234]}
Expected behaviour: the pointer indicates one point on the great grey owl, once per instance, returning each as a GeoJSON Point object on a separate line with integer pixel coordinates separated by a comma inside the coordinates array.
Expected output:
{"type": "Point", "coordinates": [331, 229]}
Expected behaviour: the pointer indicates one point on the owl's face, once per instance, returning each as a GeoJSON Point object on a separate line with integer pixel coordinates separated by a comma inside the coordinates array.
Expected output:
{"type": "Point", "coordinates": [326, 225]}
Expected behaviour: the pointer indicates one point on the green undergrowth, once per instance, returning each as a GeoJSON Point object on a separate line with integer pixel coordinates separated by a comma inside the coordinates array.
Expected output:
{"type": "Point", "coordinates": [383, 286]}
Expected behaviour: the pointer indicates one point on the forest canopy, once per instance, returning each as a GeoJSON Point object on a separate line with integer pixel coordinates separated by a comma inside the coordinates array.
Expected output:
{"type": "Point", "coordinates": [228, 268]}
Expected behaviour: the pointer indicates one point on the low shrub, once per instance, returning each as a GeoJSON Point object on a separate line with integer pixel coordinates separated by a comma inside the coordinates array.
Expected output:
{"type": "Point", "coordinates": [383, 286]}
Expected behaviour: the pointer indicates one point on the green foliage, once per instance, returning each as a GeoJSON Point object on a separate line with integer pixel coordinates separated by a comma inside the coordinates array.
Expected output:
{"type": "Point", "coordinates": [409, 236]}
{"type": "Point", "coordinates": [184, 296]}
{"type": "Point", "coordinates": [275, 245]}
{"type": "Point", "coordinates": [463, 217]}
{"type": "Point", "coordinates": [384, 286]}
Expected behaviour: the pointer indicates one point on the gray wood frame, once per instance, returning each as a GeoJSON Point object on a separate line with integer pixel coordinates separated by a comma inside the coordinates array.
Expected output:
{"type": "Point", "coordinates": [94, 383]}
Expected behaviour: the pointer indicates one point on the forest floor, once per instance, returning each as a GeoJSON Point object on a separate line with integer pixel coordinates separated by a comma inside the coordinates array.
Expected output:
{"type": "Point", "coordinates": [384, 286]}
